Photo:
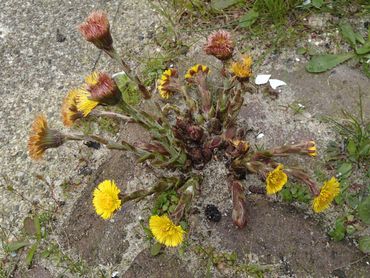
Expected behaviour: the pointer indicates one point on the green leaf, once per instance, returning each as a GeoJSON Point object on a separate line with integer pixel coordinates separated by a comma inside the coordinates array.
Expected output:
{"type": "Point", "coordinates": [31, 254]}
{"type": "Point", "coordinates": [359, 38]}
{"type": "Point", "coordinates": [325, 62]}
{"type": "Point", "coordinates": [248, 19]}
{"type": "Point", "coordinates": [130, 93]}
{"type": "Point", "coordinates": [339, 230]}
{"type": "Point", "coordinates": [350, 229]}
{"type": "Point", "coordinates": [36, 222]}
{"type": "Point", "coordinates": [353, 201]}
{"type": "Point", "coordinates": [223, 4]}
{"type": "Point", "coordinates": [317, 3]}
{"type": "Point", "coordinates": [364, 210]}
{"type": "Point", "coordinates": [14, 246]}
{"type": "Point", "coordinates": [348, 33]}
{"type": "Point", "coordinates": [345, 170]}
{"type": "Point", "coordinates": [364, 244]}
{"type": "Point", "coordinates": [155, 249]}
{"type": "Point", "coordinates": [301, 50]}
{"type": "Point", "coordinates": [351, 147]}
{"type": "Point", "coordinates": [364, 49]}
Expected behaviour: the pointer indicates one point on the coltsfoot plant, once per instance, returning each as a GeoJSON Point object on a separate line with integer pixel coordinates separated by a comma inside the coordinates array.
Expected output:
{"type": "Point", "coordinates": [191, 123]}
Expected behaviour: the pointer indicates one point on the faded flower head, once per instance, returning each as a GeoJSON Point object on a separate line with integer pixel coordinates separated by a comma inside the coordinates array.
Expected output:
{"type": "Point", "coordinates": [165, 231]}
{"type": "Point", "coordinates": [242, 69]}
{"type": "Point", "coordinates": [96, 29]}
{"type": "Point", "coordinates": [240, 145]}
{"type": "Point", "coordinates": [42, 138]}
{"type": "Point", "coordinates": [168, 84]}
{"type": "Point", "coordinates": [328, 192]}
{"type": "Point", "coordinates": [220, 45]}
{"type": "Point", "coordinates": [84, 102]}
{"type": "Point", "coordinates": [70, 113]}
{"type": "Point", "coordinates": [311, 148]}
{"type": "Point", "coordinates": [275, 180]}
{"type": "Point", "coordinates": [196, 70]}
{"type": "Point", "coordinates": [102, 88]}
{"type": "Point", "coordinates": [106, 199]}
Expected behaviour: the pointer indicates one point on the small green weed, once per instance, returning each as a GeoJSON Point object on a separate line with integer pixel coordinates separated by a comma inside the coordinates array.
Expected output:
{"type": "Point", "coordinates": [222, 260]}
{"type": "Point", "coordinates": [295, 192]}
{"type": "Point", "coordinates": [349, 156]}
{"type": "Point", "coordinates": [361, 52]}
{"type": "Point", "coordinates": [165, 203]}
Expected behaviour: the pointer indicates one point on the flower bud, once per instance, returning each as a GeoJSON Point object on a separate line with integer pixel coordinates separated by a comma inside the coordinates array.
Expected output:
{"type": "Point", "coordinates": [239, 214]}
{"type": "Point", "coordinates": [195, 132]}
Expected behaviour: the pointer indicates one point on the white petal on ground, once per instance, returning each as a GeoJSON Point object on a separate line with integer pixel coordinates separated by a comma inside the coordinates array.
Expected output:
{"type": "Point", "coordinates": [274, 83]}
{"type": "Point", "coordinates": [262, 79]}
{"type": "Point", "coordinates": [260, 136]}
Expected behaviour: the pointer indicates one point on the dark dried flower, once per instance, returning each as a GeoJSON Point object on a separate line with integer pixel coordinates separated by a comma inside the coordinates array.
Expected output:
{"type": "Point", "coordinates": [220, 45]}
{"type": "Point", "coordinates": [96, 29]}
{"type": "Point", "coordinates": [194, 132]}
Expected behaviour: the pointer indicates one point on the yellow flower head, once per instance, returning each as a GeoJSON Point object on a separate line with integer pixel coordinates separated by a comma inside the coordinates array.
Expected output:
{"type": "Point", "coordinates": [84, 102]}
{"type": "Point", "coordinates": [328, 192]}
{"type": "Point", "coordinates": [106, 199]}
{"type": "Point", "coordinates": [242, 69]}
{"type": "Point", "coordinates": [312, 148]}
{"type": "Point", "coordinates": [166, 84]}
{"type": "Point", "coordinates": [275, 180]}
{"type": "Point", "coordinates": [43, 138]}
{"type": "Point", "coordinates": [165, 231]}
{"type": "Point", "coordinates": [70, 113]}
{"type": "Point", "coordinates": [196, 69]}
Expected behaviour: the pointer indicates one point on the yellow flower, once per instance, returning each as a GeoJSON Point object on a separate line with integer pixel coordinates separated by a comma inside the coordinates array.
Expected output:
{"type": "Point", "coordinates": [275, 180]}
{"type": "Point", "coordinates": [106, 199]}
{"type": "Point", "coordinates": [92, 79]}
{"type": "Point", "coordinates": [43, 138]}
{"type": "Point", "coordinates": [70, 112]}
{"type": "Point", "coordinates": [84, 103]}
{"type": "Point", "coordinates": [312, 148]}
{"type": "Point", "coordinates": [243, 68]}
{"type": "Point", "coordinates": [166, 85]}
{"type": "Point", "coordinates": [195, 69]}
{"type": "Point", "coordinates": [165, 231]}
{"type": "Point", "coordinates": [328, 192]}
